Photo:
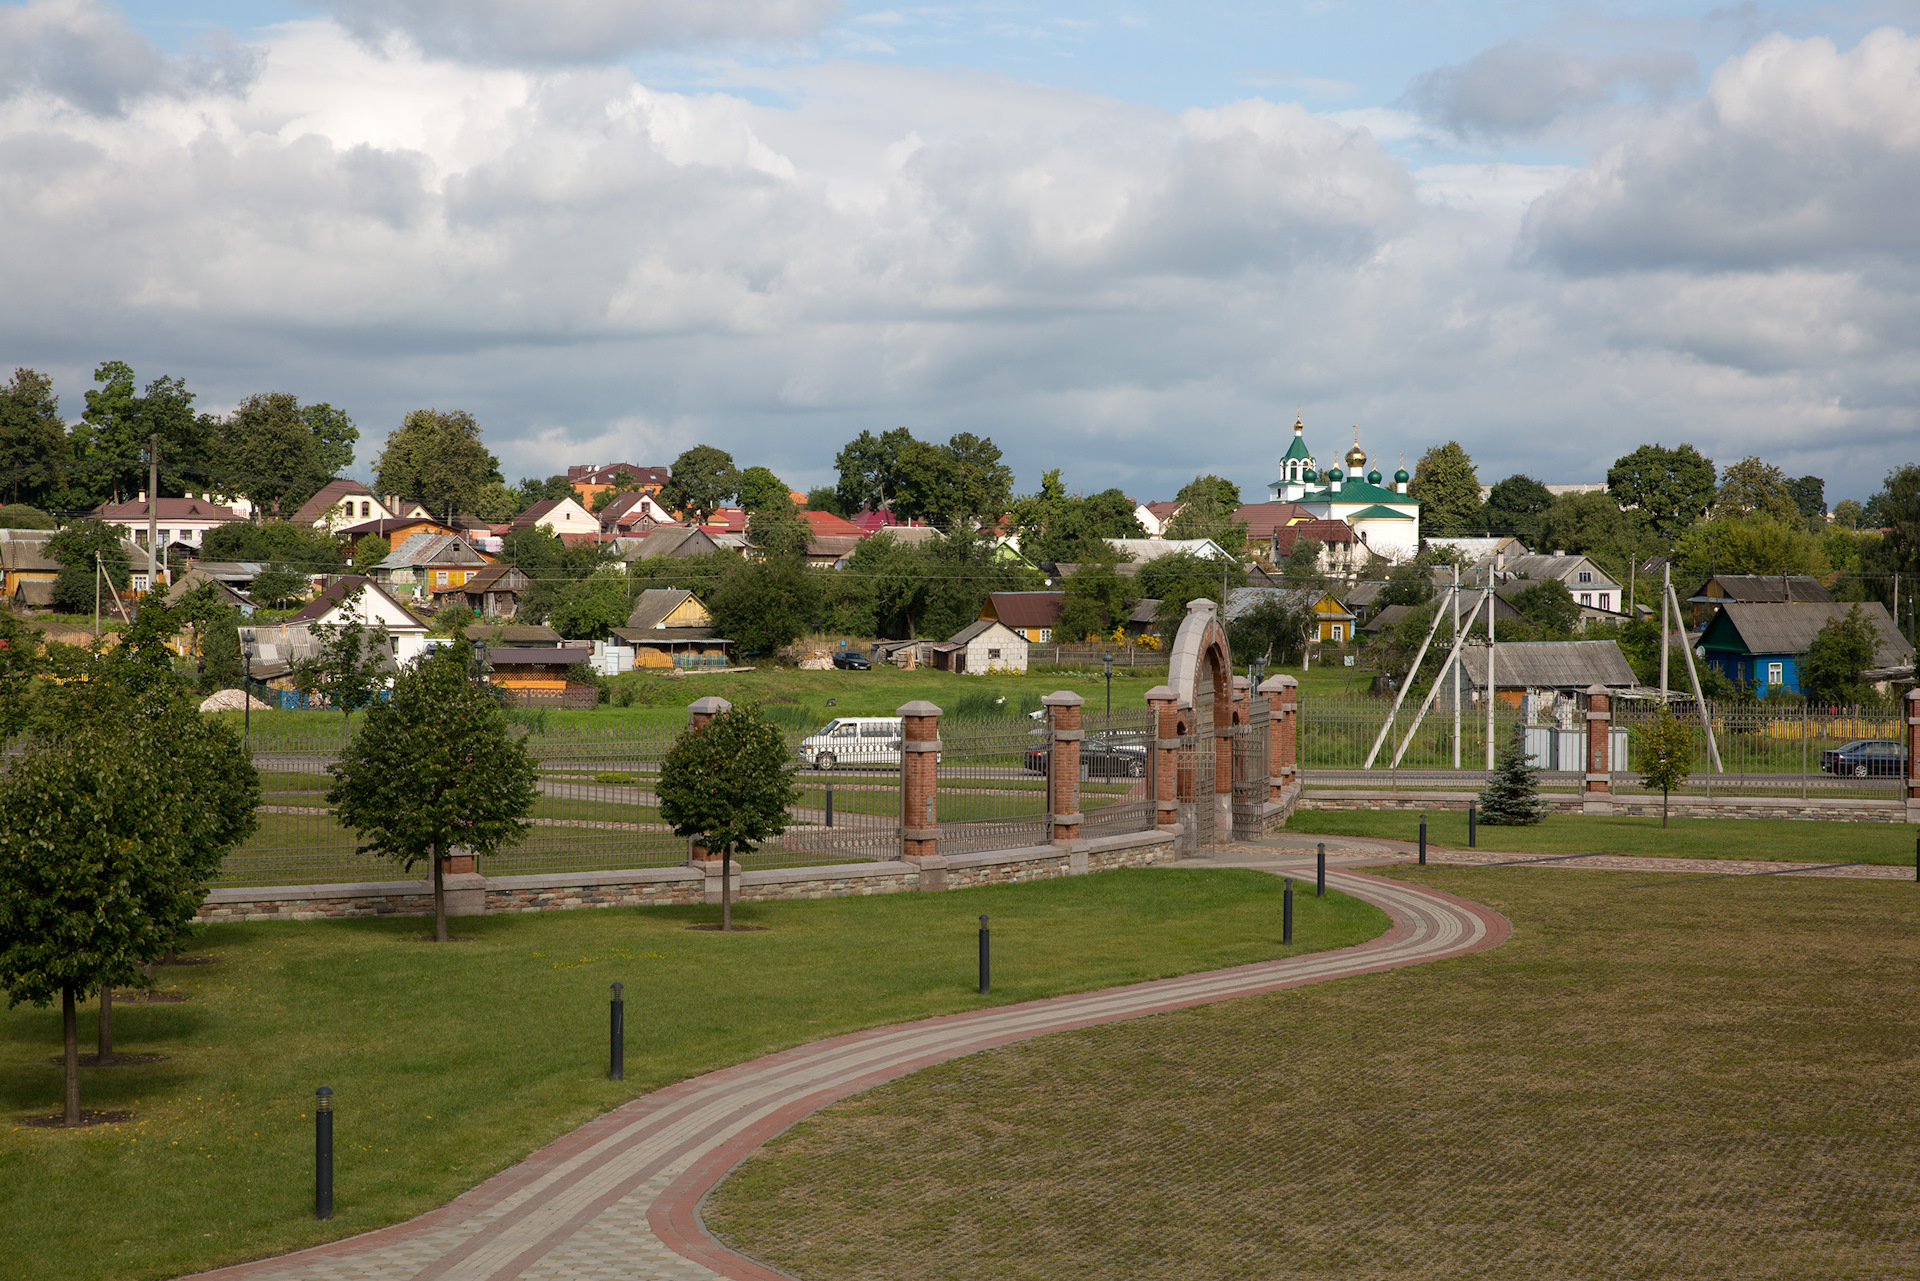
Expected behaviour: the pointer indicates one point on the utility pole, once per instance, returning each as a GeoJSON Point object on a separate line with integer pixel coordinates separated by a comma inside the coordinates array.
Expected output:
{"type": "Point", "coordinates": [153, 512]}
{"type": "Point", "coordinates": [1491, 598]}
{"type": "Point", "coordinates": [1456, 668]}
{"type": "Point", "coordinates": [1666, 585]}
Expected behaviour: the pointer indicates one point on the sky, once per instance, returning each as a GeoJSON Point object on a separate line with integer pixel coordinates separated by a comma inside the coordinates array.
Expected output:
{"type": "Point", "coordinates": [1130, 241]}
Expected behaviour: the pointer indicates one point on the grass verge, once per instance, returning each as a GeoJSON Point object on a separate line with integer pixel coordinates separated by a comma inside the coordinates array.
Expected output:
{"type": "Point", "coordinates": [1788, 840]}
{"type": "Point", "coordinates": [1700, 1080]}
{"type": "Point", "coordinates": [452, 1062]}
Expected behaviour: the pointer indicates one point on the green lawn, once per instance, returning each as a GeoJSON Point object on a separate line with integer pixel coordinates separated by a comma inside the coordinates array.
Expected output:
{"type": "Point", "coordinates": [1789, 840]}
{"type": "Point", "coordinates": [1711, 1079]}
{"type": "Point", "coordinates": [452, 1062]}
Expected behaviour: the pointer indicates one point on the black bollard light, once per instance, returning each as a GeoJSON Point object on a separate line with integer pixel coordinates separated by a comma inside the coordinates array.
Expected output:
{"type": "Point", "coordinates": [323, 1153]}
{"type": "Point", "coordinates": [829, 800]}
{"type": "Point", "coordinates": [1423, 840]}
{"type": "Point", "coordinates": [1286, 912]}
{"type": "Point", "coordinates": [1473, 824]}
{"type": "Point", "coordinates": [617, 1034]}
{"type": "Point", "coordinates": [986, 972]}
{"type": "Point", "coordinates": [1320, 872]}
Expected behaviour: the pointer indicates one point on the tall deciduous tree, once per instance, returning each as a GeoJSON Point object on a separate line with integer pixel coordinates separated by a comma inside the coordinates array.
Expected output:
{"type": "Point", "coordinates": [702, 480]}
{"type": "Point", "coordinates": [1207, 507]}
{"type": "Point", "coordinates": [761, 490]}
{"type": "Point", "coordinates": [434, 767]}
{"type": "Point", "coordinates": [1448, 489]}
{"type": "Point", "coordinates": [869, 470]}
{"type": "Point", "coordinates": [764, 605]}
{"type": "Point", "coordinates": [33, 438]}
{"type": "Point", "coordinates": [1094, 600]}
{"type": "Point", "coordinates": [1515, 505]}
{"type": "Point", "coordinates": [279, 452]}
{"type": "Point", "coordinates": [728, 784]}
{"type": "Point", "coordinates": [436, 459]}
{"type": "Point", "coordinates": [778, 529]}
{"type": "Point", "coordinates": [1753, 485]}
{"type": "Point", "coordinates": [1672, 487]}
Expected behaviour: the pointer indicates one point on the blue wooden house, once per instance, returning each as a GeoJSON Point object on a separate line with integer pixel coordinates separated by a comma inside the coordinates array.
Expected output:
{"type": "Point", "coordinates": [1760, 644]}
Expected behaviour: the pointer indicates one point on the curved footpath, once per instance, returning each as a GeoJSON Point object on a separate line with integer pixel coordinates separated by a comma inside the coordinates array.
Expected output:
{"type": "Point", "coordinates": [620, 1197]}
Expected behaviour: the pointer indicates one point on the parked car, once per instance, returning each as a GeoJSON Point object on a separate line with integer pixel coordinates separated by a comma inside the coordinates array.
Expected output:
{"type": "Point", "coordinates": [854, 740]}
{"type": "Point", "coordinates": [1866, 758]}
{"type": "Point", "coordinates": [1102, 756]}
{"type": "Point", "coordinates": [847, 660]}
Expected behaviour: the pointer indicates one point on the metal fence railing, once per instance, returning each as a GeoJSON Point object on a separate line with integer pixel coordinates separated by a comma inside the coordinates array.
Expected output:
{"type": "Point", "coordinates": [992, 783]}
{"type": "Point", "coordinates": [1117, 773]}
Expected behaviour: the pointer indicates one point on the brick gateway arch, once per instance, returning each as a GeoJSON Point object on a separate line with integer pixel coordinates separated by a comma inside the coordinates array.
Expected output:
{"type": "Point", "coordinates": [1228, 752]}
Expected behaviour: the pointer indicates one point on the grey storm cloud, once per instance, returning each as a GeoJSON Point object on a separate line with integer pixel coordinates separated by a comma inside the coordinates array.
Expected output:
{"type": "Point", "coordinates": [1799, 153]}
{"type": "Point", "coordinates": [83, 52]}
{"type": "Point", "coordinates": [533, 32]}
{"type": "Point", "coordinates": [1517, 88]}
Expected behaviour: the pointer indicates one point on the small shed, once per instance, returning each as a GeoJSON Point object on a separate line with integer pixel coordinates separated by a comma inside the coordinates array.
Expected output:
{"type": "Point", "coordinates": [982, 646]}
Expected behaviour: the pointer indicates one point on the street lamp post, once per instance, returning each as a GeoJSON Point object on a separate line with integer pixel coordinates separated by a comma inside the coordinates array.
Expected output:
{"type": "Point", "coordinates": [1108, 659]}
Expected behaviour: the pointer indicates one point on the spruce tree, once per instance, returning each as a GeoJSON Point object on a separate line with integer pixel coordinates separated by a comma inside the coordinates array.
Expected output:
{"type": "Point", "coordinates": [1511, 797]}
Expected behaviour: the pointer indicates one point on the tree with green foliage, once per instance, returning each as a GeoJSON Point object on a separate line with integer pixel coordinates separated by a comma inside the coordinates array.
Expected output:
{"type": "Point", "coordinates": [279, 452]}
{"type": "Point", "coordinates": [1207, 507]}
{"type": "Point", "coordinates": [349, 667]}
{"type": "Point", "coordinates": [1182, 577]}
{"type": "Point", "coordinates": [1514, 506]}
{"type": "Point", "coordinates": [728, 785]}
{"type": "Point", "coordinates": [300, 547]}
{"type": "Point", "coordinates": [1666, 755]}
{"type": "Point", "coordinates": [1094, 600]}
{"type": "Point", "coordinates": [111, 441]}
{"type": "Point", "coordinates": [1672, 488]}
{"type": "Point", "coordinates": [370, 551]}
{"type": "Point", "coordinates": [1301, 566]}
{"type": "Point", "coordinates": [869, 470]}
{"type": "Point", "coordinates": [34, 449]}
{"type": "Point", "coordinates": [979, 483]}
{"type": "Point", "coordinates": [433, 769]}
{"type": "Point", "coordinates": [825, 498]}
{"type": "Point", "coordinates": [277, 585]}
{"type": "Point", "coordinates": [1849, 513]}
{"type": "Point", "coordinates": [1809, 494]}
{"type": "Point", "coordinates": [1410, 585]}
{"type": "Point", "coordinates": [436, 459]}
{"type": "Point", "coordinates": [1068, 528]}
{"type": "Point", "coordinates": [1753, 485]}
{"type": "Point", "coordinates": [21, 516]}
{"type": "Point", "coordinates": [451, 620]}
{"type": "Point", "coordinates": [216, 629]}
{"type": "Point", "coordinates": [591, 607]}
{"type": "Point", "coordinates": [1756, 543]}
{"type": "Point", "coordinates": [702, 480]}
{"type": "Point", "coordinates": [1586, 525]}
{"type": "Point", "coordinates": [76, 547]}
{"type": "Point", "coordinates": [1830, 671]}
{"type": "Point", "coordinates": [760, 490]}
{"type": "Point", "coordinates": [1511, 797]}
{"type": "Point", "coordinates": [533, 490]}
{"type": "Point", "coordinates": [1276, 628]}
{"type": "Point", "coordinates": [779, 530]}
{"type": "Point", "coordinates": [766, 604]}
{"type": "Point", "coordinates": [1896, 509]}
{"type": "Point", "coordinates": [1448, 490]}
{"type": "Point", "coordinates": [1550, 607]}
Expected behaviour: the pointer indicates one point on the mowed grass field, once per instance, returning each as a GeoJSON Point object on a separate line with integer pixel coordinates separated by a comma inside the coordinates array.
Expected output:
{"type": "Point", "coordinates": [451, 1062]}
{"type": "Point", "coordinates": [1788, 840]}
{"type": "Point", "coordinates": [1702, 1080]}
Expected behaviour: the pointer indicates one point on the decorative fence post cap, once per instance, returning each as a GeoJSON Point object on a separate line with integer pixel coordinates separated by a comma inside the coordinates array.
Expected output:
{"type": "Point", "coordinates": [1063, 698]}
{"type": "Point", "coordinates": [1161, 694]}
{"type": "Point", "coordinates": [1204, 605]}
{"type": "Point", "coordinates": [919, 707]}
{"type": "Point", "coordinates": [1274, 684]}
{"type": "Point", "coordinates": [1913, 696]}
{"type": "Point", "coordinates": [1599, 689]}
{"type": "Point", "coordinates": [1241, 682]}
{"type": "Point", "coordinates": [711, 705]}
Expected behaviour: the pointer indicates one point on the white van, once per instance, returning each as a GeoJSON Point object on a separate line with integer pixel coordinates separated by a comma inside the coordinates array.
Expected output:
{"type": "Point", "coordinates": [854, 740]}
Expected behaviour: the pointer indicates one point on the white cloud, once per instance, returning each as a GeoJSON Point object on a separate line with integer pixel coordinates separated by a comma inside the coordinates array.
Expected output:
{"type": "Point", "coordinates": [1516, 88]}
{"type": "Point", "coordinates": [599, 269]}
{"type": "Point", "coordinates": [1798, 153]}
{"type": "Point", "coordinates": [82, 52]}
{"type": "Point", "coordinates": [521, 32]}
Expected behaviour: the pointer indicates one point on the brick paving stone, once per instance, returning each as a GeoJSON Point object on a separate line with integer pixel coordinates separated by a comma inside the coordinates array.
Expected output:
{"type": "Point", "coordinates": [620, 1196]}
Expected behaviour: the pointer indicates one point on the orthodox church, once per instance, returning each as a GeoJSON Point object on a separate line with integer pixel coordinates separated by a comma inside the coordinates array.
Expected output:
{"type": "Point", "coordinates": [1386, 519]}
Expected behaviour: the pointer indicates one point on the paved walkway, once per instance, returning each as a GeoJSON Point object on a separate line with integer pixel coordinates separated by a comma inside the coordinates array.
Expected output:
{"type": "Point", "coordinates": [620, 1197]}
{"type": "Point", "coordinates": [1356, 851]}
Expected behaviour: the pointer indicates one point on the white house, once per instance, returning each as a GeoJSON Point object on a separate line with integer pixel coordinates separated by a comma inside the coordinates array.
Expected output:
{"type": "Point", "coordinates": [341, 503]}
{"type": "Point", "coordinates": [184, 520]}
{"type": "Point", "coordinates": [1384, 518]}
{"type": "Point", "coordinates": [354, 598]}
{"type": "Point", "coordinates": [1591, 586]}
{"type": "Point", "coordinates": [982, 646]}
{"type": "Point", "coordinates": [560, 516]}
{"type": "Point", "coordinates": [1139, 551]}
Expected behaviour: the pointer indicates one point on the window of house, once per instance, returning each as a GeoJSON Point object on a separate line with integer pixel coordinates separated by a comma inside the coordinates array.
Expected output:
{"type": "Point", "coordinates": [1606, 600]}
{"type": "Point", "coordinates": [1046, 634]}
{"type": "Point", "coordinates": [1776, 673]}
{"type": "Point", "coordinates": [993, 653]}
{"type": "Point", "coordinates": [366, 509]}
{"type": "Point", "coordinates": [166, 535]}
{"type": "Point", "coordinates": [1339, 633]}
{"type": "Point", "coordinates": [1586, 598]}
{"type": "Point", "coordinates": [1586, 576]}
{"type": "Point", "coordinates": [440, 577]}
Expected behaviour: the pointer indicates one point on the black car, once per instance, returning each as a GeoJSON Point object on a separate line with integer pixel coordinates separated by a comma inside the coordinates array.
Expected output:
{"type": "Point", "coordinates": [1867, 758]}
{"type": "Point", "coordinates": [1102, 756]}
{"type": "Point", "coordinates": [852, 662]}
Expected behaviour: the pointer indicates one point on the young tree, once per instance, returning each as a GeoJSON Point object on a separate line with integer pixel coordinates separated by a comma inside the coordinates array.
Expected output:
{"type": "Point", "coordinates": [702, 480]}
{"type": "Point", "coordinates": [278, 584]}
{"type": "Point", "coordinates": [590, 608]}
{"type": "Point", "coordinates": [75, 547]}
{"type": "Point", "coordinates": [824, 498]}
{"type": "Point", "coordinates": [451, 620]}
{"type": "Point", "coordinates": [370, 551]}
{"type": "Point", "coordinates": [1511, 797]}
{"type": "Point", "coordinates": [1830, 671]}
{"type": "Point", "coordinates": [432, 768]}
{"type": "Point", "coordinates": [728, 784]}
{"type": "Point", "coordinates": [1448, 489]}
{"type": "Point", "coordinates": [1671, 487]}
{"type": "Point", "coordinates": [1666, 755]}
{"type": "Point", "coordinates": [350, 669]}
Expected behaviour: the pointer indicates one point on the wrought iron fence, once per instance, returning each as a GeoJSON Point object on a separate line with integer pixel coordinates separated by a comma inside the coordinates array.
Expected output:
{"type": "Point", "coordinates": [1117, 771]}
{"type": "Point", "coordinates": [992, 783]}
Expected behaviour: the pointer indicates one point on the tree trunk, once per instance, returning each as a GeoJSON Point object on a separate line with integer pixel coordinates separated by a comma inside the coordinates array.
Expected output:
{"type": "Point", "coordinates": [72, 1027]}
{"type": "Point", "coordinates": [106, 1022]}
{"type": "Point", "coordinates": [439, 896]}
{"type": "Point", "coordinates": [1664, 794]}
{"type": "Point", "coordinates": [726, 890]}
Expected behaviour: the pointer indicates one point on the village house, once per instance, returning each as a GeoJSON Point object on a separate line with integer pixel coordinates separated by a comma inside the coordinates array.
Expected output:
{"type": "Point", "coordinates": [668, 540]}
{"type": "Point", "coordinates": [492, 592]}
{"type": "Point", "coordinates": [355, 598]}
{"type": "Point", "coordinates": [669, 627]}
{"type": "Point", "coordinates": [1761, 645]}
{"type": "Point", "coordinates": [1333, 621]}
{"type": "Point", "coordinates": [982, 646]}
{"type": "Point", "coordinates": [426, 561]}
{"type": "Point", "coordinates": [1029, 615]}
{"type": "Point", "coordinates": [188, 519]}
{"type": "Point", "coordinates": [590, 480]}
{"type": "Point", "coordinates": [340, 503]}
{"type": "Point", "coordinates": [564, 518]}
{"type": "Point", "coordinates": [632, 515]}
{"type": "Point", "coordinates": [1754, 589]}
{"type": "Point", "coordinates": [1591, 587]}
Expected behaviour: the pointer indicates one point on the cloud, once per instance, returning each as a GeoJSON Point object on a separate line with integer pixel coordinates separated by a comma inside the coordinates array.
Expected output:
{"type": "Point", "coordinates": [540, 32]}
{"type": "Point", "coordinates": [1799, 153]}
{"type": "Point", "coordinates": [1518, 88]}
{"type": "Point", "coordinates": [82, 52]}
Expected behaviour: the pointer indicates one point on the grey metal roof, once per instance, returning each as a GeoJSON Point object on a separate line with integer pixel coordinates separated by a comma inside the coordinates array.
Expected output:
{"type": "Point", "coordinates": [1242, 601]}
{"type": "Point", "coordinates": [511, 635]}
{"type": "Point", "coordinates": [1761, 588]}
{"type": "Point", "coordinates": [978, 627]}
{"type": "Point", "coordinates": [673, 540]}
{"type": "Point", "coordinates": [1788, 627]}
{"type": "Point", "coordinates": [1551, 665]}
{"type": "Point", "coordinates": [651, 607]}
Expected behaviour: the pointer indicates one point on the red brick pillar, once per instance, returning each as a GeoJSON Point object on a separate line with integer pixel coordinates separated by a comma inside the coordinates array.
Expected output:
{"type": "Point", "coordinates": [1599, 781]}
{"type": "Point", "coordinates": [699, 712]}
{"type": "Point", "coordinates": [1282, 726]}
{"type": "Point", "coordinates": [1166, 749]}
{"type": "Point", "coordinates": [919, 793]}
{"type": "Point", "coordinates": [1913, 755]}
{"type": "Point", "coordinates": [1063, 800]}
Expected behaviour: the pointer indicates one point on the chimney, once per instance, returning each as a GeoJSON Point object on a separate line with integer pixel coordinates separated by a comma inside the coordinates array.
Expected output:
{"type": "Point", "coordinates": [143, 497]}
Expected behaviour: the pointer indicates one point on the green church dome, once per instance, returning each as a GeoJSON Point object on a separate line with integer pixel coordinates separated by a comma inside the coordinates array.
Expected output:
{"type": "Point", "coordinates": [1373, 478]}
